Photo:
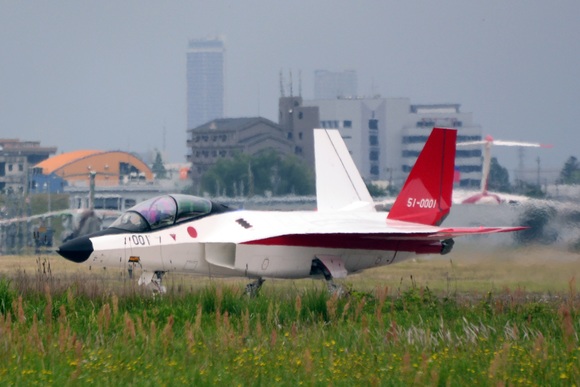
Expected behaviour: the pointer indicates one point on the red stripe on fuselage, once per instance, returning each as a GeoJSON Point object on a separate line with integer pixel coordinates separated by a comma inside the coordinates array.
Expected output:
{"type": "Point", "coordinates": [351, 242]}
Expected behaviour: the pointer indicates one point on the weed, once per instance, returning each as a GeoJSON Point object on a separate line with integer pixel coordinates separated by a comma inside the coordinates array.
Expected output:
{"type": "Point", "coordinates": [71, 329]}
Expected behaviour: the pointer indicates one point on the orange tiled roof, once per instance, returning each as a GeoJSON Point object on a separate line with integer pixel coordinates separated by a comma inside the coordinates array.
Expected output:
{"type": "Point", "coordinates": [56, 162]}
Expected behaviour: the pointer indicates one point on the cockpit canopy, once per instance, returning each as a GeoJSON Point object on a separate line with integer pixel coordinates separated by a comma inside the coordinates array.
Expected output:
{"type": "Point", "coordinates": [162, 211]}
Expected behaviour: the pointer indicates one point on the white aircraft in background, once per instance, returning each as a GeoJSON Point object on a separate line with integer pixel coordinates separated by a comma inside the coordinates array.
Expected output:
{"type": "Point", "coordinates": [181, 233]}
{"type": "Point", "coordinates": [74, 223]}
{"type": "Point", "coordinates": [485, 197]}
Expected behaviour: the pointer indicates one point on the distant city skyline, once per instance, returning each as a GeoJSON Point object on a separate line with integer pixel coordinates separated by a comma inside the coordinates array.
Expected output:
{"type": "Point", "coordinates": [111, 75]}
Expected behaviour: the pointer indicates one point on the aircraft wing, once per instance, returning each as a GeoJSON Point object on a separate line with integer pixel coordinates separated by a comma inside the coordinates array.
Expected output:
{"type": "Point", "coordinates": [403, 240]}
{"type": "Point", "coordinates": [469, 143]}
{"type": "Point", "coordinates": [519, 143]}
{"type": "Point", "coordinates": [348, 228]}
{"type": "Point", "coordinates": [33, 217]}
{"type": "Point", "coordinates": [52, 214]}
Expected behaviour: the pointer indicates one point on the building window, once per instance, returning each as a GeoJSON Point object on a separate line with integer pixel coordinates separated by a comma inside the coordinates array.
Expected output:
{"type": "Point", "coordinates": [300, 135]}
{"type": "Point", "coordinates": [373, 124]}
{"type": "Point", "coordinates": [468, 138]}
{"type": "Point", "coordinates": [426, 123]}
{"type": "Point", "coordinates": [374, 155]}
{"type": "Point", "coordinates": [9, 167]}
{"type": "Point", "coordinates": [415, 139]}
{"type": "Point", "coordinates": [469, 168]}
{"type": "Point", "coordinates": [374, 170]}
{"type": "Point", "coordinates": [373, 140]}
{"type": "Point", "coordinates": [468, 153]}
{"type": "Point", "coordinates": [20, 168]}
{"type": "Point", "coordinates": [469, 183]}
{"type": "Point", "coordinates": [410, 153]}
{"type": "Point", "coordinates": [289, 135]}
{"type": "Point", "coordinates": [347, 124]}
{"type": "Point", "coordinates": [300, 115]}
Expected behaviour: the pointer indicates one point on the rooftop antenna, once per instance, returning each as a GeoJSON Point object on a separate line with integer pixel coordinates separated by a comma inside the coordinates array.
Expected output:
{"type": "Point", "coordinates": [291, 92]}
{"type": "Point", "coordinates": [281, 84]}
{"type": "Point", "coordinates": [300, 83]}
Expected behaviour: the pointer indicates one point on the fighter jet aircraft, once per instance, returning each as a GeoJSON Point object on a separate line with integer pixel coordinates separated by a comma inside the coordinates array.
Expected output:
{"type": "Point", "coordinates": [181, 233]}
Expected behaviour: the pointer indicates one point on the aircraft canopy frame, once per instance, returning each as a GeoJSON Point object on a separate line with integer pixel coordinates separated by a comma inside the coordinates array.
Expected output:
{"type": "Point", "coordinates": [162, 211]}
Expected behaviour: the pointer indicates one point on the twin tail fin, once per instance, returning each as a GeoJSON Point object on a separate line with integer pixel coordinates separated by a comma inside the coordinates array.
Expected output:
{"type": "Point", "coordinates": [426, 195]}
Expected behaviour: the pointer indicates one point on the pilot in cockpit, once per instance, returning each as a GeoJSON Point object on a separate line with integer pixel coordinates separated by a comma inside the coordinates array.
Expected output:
{"type": "Point", "coordinates": [162, 212]}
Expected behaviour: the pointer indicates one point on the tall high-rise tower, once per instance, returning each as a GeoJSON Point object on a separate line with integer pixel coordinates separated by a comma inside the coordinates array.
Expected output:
{"type": "Point", "coordinates": [205, 81]}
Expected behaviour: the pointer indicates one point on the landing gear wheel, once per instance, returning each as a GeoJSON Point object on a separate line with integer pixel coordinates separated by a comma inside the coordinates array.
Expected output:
{"type": "Point", "coordinates": [253, 288]}
{"type": "Point", "coordinates": [336, 289]}
{"type": "Point", "coordinates": [156, 281]}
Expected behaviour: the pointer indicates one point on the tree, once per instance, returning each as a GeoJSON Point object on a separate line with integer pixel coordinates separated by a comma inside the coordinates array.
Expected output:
{"type": "Point", "coordinates": [265, 172]}
{"type": "Point", "coordinates": [375, 190]}
{"type": "Point", "coordinates": [158, 168]}
{"type": "Point", "coordinates": [570, 173]}
{"type": "Point", "coordinates": [228, 177]}
{"type": "Point", "coordinates": [498, 179]}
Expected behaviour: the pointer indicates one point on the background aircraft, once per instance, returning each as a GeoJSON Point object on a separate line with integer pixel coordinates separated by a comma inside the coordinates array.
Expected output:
{"type": "Point", "coordinates": [184, 233]}
{"type": "Point", "coordinates": [37, 230]}
{"type": "Point", "coordinates": [485, 197]}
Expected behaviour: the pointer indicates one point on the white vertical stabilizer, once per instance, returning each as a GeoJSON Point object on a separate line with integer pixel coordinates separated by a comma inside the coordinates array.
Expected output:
{"type": "Point", "coordinates": [339, 185]}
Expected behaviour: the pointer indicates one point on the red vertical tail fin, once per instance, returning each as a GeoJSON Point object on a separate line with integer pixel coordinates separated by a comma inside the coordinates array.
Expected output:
{"type": "Point", "coordinates": [426, 195]}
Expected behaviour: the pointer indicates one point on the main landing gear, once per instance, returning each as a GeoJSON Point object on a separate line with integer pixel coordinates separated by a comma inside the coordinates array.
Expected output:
{"type": "Point", "coordinates": [253, 288]}
{"type": "Point", "coordinates": [330, 267]}
{"type": "Point", "coordinates": [153, 279]}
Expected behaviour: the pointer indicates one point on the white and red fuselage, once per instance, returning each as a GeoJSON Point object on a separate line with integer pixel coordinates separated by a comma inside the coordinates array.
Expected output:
{"type": "Point", "coordinates": [182, 233]}
{"type": "Point", "coordinates": [266, 244]}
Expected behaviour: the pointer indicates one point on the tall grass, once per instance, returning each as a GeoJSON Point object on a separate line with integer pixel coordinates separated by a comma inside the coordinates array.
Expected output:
{"type": "Point", "coordinates": [79, 329]}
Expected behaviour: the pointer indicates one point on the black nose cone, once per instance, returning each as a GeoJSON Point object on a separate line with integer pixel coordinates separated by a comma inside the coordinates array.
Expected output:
{"type": "Point", "coordinates": [78, 250]}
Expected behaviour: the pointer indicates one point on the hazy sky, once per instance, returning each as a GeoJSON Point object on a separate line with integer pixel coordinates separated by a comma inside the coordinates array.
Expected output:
{"type": "Point", "coordinates": [111, 74]}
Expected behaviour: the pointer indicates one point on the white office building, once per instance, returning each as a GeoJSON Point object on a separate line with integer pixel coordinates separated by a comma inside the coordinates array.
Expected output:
{"type": "Point", "coordinates": [385, 135]}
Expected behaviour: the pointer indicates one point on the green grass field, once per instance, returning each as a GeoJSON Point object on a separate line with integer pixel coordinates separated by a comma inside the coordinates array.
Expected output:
{"type": "Point", "coordinates": [506, 317]}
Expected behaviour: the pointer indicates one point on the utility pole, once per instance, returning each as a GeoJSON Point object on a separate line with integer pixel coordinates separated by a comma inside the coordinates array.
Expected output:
{"type": "Point", "coordinates": [538, 161]}
{"type": "Point", "coordinates": [92, 175]}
